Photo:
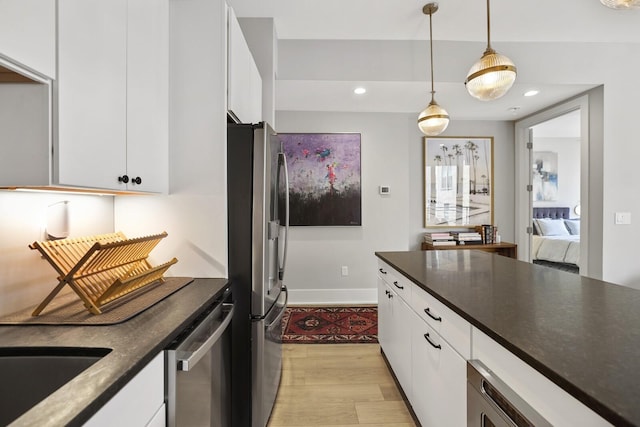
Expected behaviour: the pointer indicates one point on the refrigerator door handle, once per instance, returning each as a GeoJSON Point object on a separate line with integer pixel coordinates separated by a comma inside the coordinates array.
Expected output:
{"type": "Point", "coordinates": [286, 225]}
{"type": "Point", "coordinates": [284, 308]}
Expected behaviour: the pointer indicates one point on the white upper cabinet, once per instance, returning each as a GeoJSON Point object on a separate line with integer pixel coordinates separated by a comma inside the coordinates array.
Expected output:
{"type": "Point", "coordinates": [148, 95]}
{"type": "Point", "coordinates": [244, 84]}
{"type": "Point", "coordinates": [28, 34]}
{"type": "Point", "coordinates": [90, 142]}
{"type": "Point", "coordinates": [112, 95]}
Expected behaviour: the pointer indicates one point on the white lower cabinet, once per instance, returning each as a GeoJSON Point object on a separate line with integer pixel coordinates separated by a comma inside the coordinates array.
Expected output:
{"type": "Point", "coordinates": [438, 378]}
{"type": "Point", "coordinates": [427, 346]}
{"type": "Point", "coordinates": [139, 403]}
{"type": "Point", "coordinates": [394, 318]}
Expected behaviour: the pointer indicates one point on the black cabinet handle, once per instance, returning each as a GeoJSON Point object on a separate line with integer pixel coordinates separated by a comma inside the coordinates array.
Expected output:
{"type": "Point", "coordinates": [387, 291]}
{"type": "Point", "coordinates": [398, 286]}
{"type": "Point", "coordinates": [434, 345]}
{"type": "Point", "coordinates": [137, 180]}
{"type": "Point", "coordinates": [390, 295]}
{"type": "Point", "coordinates": [434, 317]}
{"type": "Point", "coordinates": [123, 179]}
{"type": "Point", "coordinates": [382, 271]}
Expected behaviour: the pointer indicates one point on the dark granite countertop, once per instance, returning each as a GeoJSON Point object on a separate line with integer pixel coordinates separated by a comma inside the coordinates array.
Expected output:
{"type": "Point", "coordinates": [134, 342]}
{"type": "Point", "coordinates": [583, 334]}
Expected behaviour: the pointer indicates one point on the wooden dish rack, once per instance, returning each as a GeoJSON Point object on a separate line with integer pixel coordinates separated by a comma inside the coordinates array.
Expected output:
{"type": "Point", "coordinates": [101, 268]}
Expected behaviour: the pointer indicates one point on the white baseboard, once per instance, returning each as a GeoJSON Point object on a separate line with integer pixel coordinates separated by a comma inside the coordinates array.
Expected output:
{"type": "Point", "coordinates": [333, 296]}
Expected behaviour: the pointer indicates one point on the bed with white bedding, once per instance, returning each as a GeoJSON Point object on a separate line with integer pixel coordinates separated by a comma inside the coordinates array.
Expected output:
{"type": "Point", "coordinates": [556, 239]}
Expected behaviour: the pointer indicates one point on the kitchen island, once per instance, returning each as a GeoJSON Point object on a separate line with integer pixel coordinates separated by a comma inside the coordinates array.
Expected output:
{"type": "Point", "coordinates": [133, 343]}
{"type": "Point", "coordinates": [580, 334]}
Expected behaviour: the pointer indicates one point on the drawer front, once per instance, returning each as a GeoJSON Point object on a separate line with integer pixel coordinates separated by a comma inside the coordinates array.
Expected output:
{"type": "Point", "coordinates": [453, 328]}
{"type": "Point", "coordinates": [439, 378]}
{"type": "Point", "coordinates": [396, 281]}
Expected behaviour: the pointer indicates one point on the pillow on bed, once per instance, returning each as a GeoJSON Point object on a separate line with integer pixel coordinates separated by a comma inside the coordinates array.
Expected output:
{"type": "Point", "coordinates": [573, 225]}
{"type": "Point", "coordinates": [552, 227]}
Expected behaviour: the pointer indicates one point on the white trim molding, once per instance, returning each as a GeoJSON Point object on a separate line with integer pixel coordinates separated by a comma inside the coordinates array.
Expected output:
{"type": "Point", "coordinates": [333, 296]}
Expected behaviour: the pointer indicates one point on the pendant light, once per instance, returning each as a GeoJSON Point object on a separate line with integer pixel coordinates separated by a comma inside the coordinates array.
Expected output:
{"type": "Point", "coordinates": [621, 4]}
{"type": "Point", "coordinates": [493, 75]}
{"type": "Point", "coordinates": [434, 119]}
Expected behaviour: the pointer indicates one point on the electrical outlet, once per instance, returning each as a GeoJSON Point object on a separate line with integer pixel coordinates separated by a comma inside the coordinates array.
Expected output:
{"type": "Point", "coordinates": [345, 270]}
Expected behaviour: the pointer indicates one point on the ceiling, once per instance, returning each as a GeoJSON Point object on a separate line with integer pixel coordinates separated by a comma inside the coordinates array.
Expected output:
{"type": "Point", "coordinates": [327, 48]}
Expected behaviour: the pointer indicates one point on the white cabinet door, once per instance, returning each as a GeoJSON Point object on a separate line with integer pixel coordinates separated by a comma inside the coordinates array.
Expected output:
{"type": "Point", "coordinates": [244, 84]}
{"type": "Point", "coordinates": [140, 401]}
{"type": "Point", "coordinates": [28, 33]}
{"type": "Point", "coordinates": [394, 317]}
{"type": "Point", "coordinates": [90, 139]}
{"type": "Point", "coordinates": [401, 333]}
{"type": "Point", "coordinates": [148, 95]}
{"type": "Point", "coordinates": [439, 378]}
{"type": "Point", "coordinates": [384, 316]}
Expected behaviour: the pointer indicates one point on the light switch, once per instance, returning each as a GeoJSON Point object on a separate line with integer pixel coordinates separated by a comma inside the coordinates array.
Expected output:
{"type": "Point", "coordinates": [623, 218]}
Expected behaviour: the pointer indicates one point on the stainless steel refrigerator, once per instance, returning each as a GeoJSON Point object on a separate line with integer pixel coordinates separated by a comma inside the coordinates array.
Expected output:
{"type": "Point", "coordinates": [258, 199]}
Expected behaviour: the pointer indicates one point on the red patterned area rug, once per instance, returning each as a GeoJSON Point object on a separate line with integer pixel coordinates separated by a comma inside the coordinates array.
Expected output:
{"type": "Point", "coordinates": [330, 325]}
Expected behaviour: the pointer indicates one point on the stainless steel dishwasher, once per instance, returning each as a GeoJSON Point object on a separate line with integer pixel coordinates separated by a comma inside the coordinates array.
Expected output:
{"type": "Point", "coordinates": [492, 403]}
{"type": "Point", "coordinates": [198, 371]}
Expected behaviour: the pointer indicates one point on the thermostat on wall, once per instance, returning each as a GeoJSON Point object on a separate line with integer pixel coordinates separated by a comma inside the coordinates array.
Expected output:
{"type": "Point", "coordinates": [384, 189]}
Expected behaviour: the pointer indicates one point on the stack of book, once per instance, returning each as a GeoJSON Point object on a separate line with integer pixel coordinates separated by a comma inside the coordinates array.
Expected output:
{"type": "Point", "coordinates": [468, 238]}
{"type": "Point", "coordinates": [488, 233]}
{"type": "Point", "coordinates": [439, 239]}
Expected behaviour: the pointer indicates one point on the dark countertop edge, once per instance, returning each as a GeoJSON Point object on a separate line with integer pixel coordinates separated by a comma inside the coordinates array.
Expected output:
{"type": "Point", "coordinates": [139, 359]}
{"type": "Point", "coordinates": [591, 402]}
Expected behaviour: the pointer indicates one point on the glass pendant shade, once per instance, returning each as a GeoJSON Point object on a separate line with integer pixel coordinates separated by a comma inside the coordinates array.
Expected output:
{"type": "Point", "coordinates": [433, 120]}
{"type": "Point", "coordinates": [491, 77]}
{"type": "Point", "coordinates": [621, 4]}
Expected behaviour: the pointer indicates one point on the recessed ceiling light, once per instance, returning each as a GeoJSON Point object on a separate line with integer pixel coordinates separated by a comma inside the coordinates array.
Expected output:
{"type": "Point", "coordinates": [359, 90]}
{"type": "Point", "coordinates": [532, 92]}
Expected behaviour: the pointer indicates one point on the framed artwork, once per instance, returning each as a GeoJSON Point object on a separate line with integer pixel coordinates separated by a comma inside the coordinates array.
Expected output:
{"type": "Point", "coordinates": [458, 181]}
{"type": "Point", "coordinates": [544, 176]}
{"type": "Point", "coordinates": [324, 178]}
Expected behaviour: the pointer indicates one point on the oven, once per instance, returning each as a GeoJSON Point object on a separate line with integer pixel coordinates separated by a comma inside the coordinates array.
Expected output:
{"type": "Point", "coordinates": [492, 403]}
{"type": "Point", "coordinates": [198, 386]}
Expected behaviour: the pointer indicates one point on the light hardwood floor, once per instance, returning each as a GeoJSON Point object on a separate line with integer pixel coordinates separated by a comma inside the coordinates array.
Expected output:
{"type": "Point", "coordinates": [337, 385]}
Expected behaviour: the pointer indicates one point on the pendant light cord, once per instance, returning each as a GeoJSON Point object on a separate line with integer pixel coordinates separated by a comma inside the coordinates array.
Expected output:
{"type": "Point", "coordinates": [488, 28]}
{"type": "Point", "coordinates": [431, 52]}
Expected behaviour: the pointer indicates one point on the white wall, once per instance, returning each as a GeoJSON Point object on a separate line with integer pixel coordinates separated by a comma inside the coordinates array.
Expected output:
{"type": "Point", "coordinates": [621, 172]}
{"type": "Point", "coordinates": [568, 151]}
{"type": "Point", "coordinates": [25, 277]}
{"type": "Point", "coordinates": [392, 150]}
{"type": "Point", "coordinates": [316, 254]}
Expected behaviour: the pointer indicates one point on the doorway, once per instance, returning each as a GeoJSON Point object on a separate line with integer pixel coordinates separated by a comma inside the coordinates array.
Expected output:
{"type": "Point", "coordinates": [552, 169]}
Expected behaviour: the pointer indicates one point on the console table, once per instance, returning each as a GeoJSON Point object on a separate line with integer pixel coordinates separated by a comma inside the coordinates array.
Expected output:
{"type": "Point", "coordinates": [503, 248]}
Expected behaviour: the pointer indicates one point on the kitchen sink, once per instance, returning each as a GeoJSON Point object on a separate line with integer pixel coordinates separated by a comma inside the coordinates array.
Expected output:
{"type": "Point", "coordinates": [30, 374]}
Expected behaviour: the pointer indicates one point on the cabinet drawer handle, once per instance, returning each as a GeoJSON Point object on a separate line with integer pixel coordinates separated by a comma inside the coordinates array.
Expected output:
{"type": "Point", "coordinates": [433, 316]}
{"type": "Point", "coordinates": [387, 291]}
{"type": "Point", "coordinates": [390, 295]}
{"type": "Point", "coordinates": [382, 271]}
{"type": "Point", "coordinates": [398, 286]}
{"type": "Point", "coordinates": [137, 180]}
{"type": "Point", "coordinates": [434, 345]}
{"type": "Point", "coordinates": [123, 178]}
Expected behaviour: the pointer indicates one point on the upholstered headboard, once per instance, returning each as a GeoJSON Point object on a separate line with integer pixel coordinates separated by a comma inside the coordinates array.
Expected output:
{"type": "Point", "coordinates": [551, 212]}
